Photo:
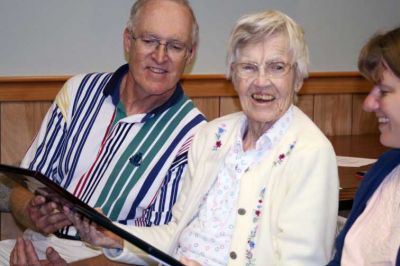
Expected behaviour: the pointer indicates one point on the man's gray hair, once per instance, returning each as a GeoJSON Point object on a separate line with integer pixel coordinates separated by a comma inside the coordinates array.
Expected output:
{"type": "Point", "coordinates": [137, 6]}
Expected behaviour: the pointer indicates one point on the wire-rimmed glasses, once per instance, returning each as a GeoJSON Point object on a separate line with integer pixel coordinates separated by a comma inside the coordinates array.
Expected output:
{"type": "Point", "coordinates": [174, 48]}
{"type": "Point", "coordinates": [274, 69]}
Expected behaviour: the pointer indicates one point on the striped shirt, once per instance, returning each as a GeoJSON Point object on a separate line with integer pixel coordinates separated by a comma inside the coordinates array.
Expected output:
{"type": "Point", "coordinates": [130, 168]}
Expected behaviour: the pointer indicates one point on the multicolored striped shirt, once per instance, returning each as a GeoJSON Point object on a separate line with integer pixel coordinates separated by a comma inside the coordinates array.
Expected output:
{"type": "Point", "coordinates": [130, 168]}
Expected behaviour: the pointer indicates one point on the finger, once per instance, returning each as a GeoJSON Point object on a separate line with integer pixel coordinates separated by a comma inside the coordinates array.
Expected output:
{"type": "Point", "coordinates": [13, 256]}
{"type": "Point", "coordinates": [37, 212]}
{"type": "Point", "coordinates": [99, 210]}
{"type": "Point", "coordinates": [184, 260]}
{"type": "Point", "coordinates": [37, 200]}
{"type": "Point", "coordinates": [54, 258]}
{"type": "Point", "coordinates": [20, 252]}
{"type": "Point", "coordinates": [51, 223]}
{"type": "Point", "coordinates": [31, 255]}
{"type": "Point", "coordinates": [77, 221]}
{"type": "Point", "coordinates": [49, 208]}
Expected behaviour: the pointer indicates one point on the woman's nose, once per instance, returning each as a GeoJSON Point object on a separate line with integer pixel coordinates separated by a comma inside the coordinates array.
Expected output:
{"type": "Point", "coordinates": [371, 102]}
{"type": "Point", "coordinates": [262, 78]}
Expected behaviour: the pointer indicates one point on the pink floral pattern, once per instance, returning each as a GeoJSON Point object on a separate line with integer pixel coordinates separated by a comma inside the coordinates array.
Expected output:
{"type": "Point", "coordinates": [282, 156]}
{"type": "Point", "coordinates": [251, 243]}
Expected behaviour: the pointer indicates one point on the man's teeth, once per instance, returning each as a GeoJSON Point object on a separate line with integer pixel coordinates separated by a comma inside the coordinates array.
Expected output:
{"type": "Point", "coordinates": [383, 119]}
{"type": "Point", "coordinates": [263, 97]}
{"type": "Point", "coordinates": [157, 70]}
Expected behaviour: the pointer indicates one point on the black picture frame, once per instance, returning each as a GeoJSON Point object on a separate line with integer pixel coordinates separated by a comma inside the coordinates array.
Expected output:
{"type": "Point", "coordinates": [38, 183]}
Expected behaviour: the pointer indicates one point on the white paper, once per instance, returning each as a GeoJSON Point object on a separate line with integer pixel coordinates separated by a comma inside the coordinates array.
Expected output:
{"type": "Point", "coordinates": [346, 161]}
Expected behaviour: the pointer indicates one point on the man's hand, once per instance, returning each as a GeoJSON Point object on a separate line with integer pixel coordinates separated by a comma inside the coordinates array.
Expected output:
{"type": "Point", "coordinates": [46, 216]}
{"type": "Point", "coordinates": [23, 254]}
{"type": "Point", "coordinates": [34, 212]}
{"type": "Point", "coordinates": [91, 233]}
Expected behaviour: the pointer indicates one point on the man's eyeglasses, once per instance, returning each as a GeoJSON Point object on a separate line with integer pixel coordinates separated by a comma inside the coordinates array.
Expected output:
{"type": "Point", "coordinates": [252, 70]}
{"type": "Point", "coordinates": [149, 43]}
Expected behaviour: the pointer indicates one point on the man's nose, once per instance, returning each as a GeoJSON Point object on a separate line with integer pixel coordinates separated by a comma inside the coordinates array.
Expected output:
{"type": "Point", "coordinates": [161, 53]}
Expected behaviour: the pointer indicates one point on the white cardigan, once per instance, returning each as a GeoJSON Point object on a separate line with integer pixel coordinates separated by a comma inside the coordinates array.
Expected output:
{"type": "Point", "coordinates": [298, 220]}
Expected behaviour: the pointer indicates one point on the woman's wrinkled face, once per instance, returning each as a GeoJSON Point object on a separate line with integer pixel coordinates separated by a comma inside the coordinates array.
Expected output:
{"type": "Point", "coordinates": [265, 95]}
{"type": "Point", "coordinates": [384, 100]}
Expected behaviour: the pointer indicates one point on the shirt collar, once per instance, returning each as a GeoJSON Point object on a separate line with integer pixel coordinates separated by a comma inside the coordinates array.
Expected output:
{"type": "Point", "coordinates": [112, 89]}
{"type": "Point", "coordinates": [273, 135]}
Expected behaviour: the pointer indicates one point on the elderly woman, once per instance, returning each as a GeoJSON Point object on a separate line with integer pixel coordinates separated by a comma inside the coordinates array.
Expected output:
{"type": "Point", "coordinates": [371, 235]}
{"type": "Point", "coordinates": [262, 184]}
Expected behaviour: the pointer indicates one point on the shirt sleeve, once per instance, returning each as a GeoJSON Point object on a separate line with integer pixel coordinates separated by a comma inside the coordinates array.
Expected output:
{"type": "Point", "coordinates": [44, 153]}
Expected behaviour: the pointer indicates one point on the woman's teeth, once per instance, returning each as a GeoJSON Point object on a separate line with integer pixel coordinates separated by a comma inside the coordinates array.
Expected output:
{"type": "Point", "coordinates": [383, 119]}
{"type": "Point", "coordinates": [263, 97]}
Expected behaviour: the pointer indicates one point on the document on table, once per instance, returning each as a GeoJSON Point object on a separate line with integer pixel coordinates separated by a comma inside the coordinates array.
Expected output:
{"type": "Point", "coordinates": [346, 161]}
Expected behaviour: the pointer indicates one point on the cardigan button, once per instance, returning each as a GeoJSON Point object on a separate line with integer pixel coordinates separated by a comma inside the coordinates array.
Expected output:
{"type": "Point", "coordinates": [233, 255]}
{"type": "Point", "coordinates": [241, 211]}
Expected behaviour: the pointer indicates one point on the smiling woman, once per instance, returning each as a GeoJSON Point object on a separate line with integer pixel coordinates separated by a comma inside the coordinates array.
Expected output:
{"type": "Point", "coordinates": [371, 235]}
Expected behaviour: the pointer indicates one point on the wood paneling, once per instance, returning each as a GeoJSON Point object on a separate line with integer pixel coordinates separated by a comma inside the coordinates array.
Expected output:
{"type": "Point", "coordinates": [19, 124]}
{"type": "Point", "coordinates": [332, 113]}
{"type": "Point", "coordinates": [229, 105]}
{"type": "Point", "coordinates": [306, 104]}
{"type": "Point", "coordinates": [209, 106]}
{"type": "Point", "coordinates": [363, 122]}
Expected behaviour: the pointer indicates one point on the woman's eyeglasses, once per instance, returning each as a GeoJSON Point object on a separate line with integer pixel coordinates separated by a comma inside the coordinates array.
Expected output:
{"type": "Point", "coordinates": [273, 69]}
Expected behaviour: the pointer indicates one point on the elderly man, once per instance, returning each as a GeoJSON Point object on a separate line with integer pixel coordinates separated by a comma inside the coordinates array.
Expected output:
{"type": "Point", "coordinates": [118, 141]}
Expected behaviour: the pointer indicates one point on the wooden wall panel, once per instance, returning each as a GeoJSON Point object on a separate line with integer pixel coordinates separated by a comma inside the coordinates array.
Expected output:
{"type": "Point", "coordinates": [363, 122]}
{"type": "Point", "coordinates": [229, 105]}
{"type": "Point", "coordinates": [209, 106]}
{"type": "Point", "coordinates": [332, 113]}
{"type": "Point", "coordinates": [19, 125]}
{"type": "Point", "coordinates": [306, 104]}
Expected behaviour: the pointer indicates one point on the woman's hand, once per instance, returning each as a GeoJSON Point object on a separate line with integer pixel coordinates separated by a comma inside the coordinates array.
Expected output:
{"type": "Point", "coordinates": [91, 233]}
{"type": "Point", "coordinates": [189, 262]}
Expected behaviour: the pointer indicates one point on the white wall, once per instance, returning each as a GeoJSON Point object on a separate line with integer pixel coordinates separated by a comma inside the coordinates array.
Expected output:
{"type": "Point", "coordinates": [59, 37]}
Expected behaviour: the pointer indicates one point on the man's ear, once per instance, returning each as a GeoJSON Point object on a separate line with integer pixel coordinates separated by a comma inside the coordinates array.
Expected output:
{"type": "Point", "coordinates": [192, 54]}
{"type": "Point", "coordinates": [127, 41]}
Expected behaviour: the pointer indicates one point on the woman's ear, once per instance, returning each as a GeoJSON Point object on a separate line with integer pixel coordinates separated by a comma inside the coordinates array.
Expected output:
{"type": "Point", "coordinates": [297, 85]}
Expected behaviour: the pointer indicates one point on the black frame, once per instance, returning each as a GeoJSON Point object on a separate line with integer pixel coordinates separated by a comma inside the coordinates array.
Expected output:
{"type": "Point", "coordinates": [38, 183]}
